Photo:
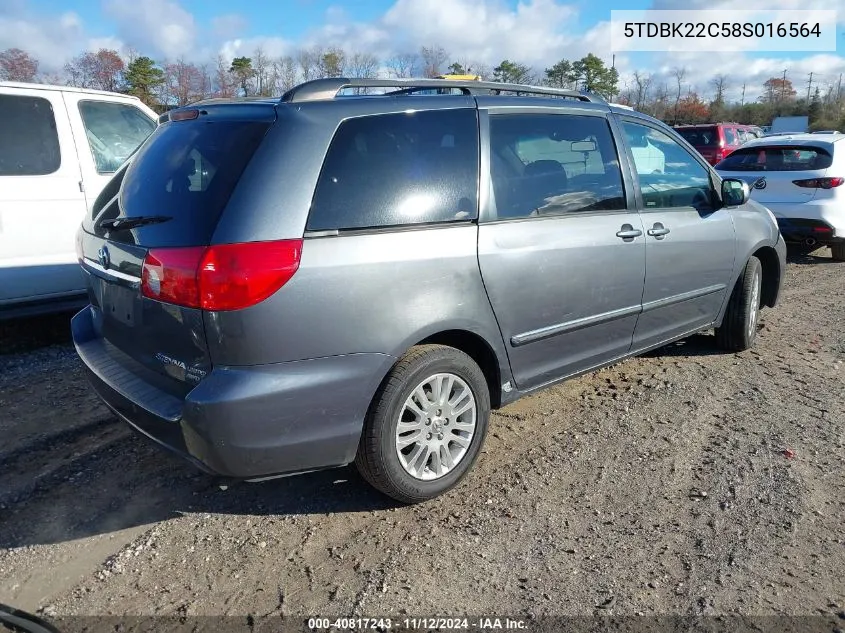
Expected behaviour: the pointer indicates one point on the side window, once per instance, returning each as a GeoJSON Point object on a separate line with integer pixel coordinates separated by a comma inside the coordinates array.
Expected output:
{"type": "Point", "coordinates": [553, 164]}
{"type": "Point", "coordinates": [29, 142]}
{"type": "Point", "coordinates": [743, 135]}
{"type": "Point", "coordinates": [399, 169]}
{"type": "Point", "coordinates": [730, 136]}
{"type": "Point", "coordinates": [668, 174]}
{"type": "Point", "coordinates": [114, 131]}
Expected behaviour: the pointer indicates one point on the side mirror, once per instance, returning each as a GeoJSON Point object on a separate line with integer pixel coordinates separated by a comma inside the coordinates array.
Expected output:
{"type": "Point", "coordinates": [735, 192]}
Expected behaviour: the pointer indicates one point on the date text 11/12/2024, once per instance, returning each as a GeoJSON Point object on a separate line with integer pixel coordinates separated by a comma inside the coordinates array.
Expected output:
{"type": "Point", "coordinates": [416, 624]}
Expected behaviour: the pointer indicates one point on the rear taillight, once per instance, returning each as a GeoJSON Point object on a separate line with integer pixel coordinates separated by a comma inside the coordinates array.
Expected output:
{"type": "Point", "coordinates": [819, 183]}
{"type": "Point", "coordinates": [220, 277]}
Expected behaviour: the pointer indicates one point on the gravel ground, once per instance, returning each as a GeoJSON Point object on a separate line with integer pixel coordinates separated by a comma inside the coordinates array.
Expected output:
{"type": "Point", "coordinates": [684, 482]}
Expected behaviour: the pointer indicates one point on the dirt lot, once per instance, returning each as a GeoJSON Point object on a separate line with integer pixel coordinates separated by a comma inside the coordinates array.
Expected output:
{"type": "Point", "coordinates": [685, 482]}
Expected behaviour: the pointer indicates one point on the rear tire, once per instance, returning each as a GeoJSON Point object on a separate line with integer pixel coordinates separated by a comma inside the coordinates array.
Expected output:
{"type": "Point", "coordinates": [440, 398]}
{"type": "Point", "coordinates": [837, 251]}
{"type": "Point", "coordinates": [739, 326]}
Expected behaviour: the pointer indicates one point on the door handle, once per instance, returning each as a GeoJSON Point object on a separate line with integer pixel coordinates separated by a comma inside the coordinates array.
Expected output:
{"type": "Point", "coordinates": [658, 231]}
{"type": "Point", "coordinates": [628, 232]}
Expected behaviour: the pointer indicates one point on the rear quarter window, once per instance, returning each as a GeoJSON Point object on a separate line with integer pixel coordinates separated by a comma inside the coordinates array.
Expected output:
{"type": "Point", "coordinates": [29, 141]}
{"type": "Point", "coordinates": [397, 170]}
{"type": "Point", "coordinates": [780, 158]}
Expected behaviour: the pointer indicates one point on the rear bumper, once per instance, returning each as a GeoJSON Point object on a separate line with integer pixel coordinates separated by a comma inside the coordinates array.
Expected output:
{"type": "Point", "coordinates": [822, 220]}
{"type": "Point", "coordinates": [245, 422]}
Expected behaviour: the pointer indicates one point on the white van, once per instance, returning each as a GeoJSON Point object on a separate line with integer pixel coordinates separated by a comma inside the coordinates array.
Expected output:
{"type": "Point", "coordinates": [58, 147]}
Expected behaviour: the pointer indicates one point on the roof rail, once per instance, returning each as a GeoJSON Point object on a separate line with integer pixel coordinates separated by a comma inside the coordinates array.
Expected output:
{"type": "Point", "coordinates": [213, 100]}
{"type": "Point", "coordinates": [320, 89]}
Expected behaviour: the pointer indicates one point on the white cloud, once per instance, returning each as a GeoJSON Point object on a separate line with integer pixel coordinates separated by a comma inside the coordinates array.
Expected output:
{"type": "Point", "coordinates": [45, 38]}
{"type": "Point", "coordinates": [228, 26]}
{"type": "Point", "coordinates": [272, 47]}
{"type": "Point", "coordinates": [159, 27]}
{"type": "Point", "coordinates": [760, 5]}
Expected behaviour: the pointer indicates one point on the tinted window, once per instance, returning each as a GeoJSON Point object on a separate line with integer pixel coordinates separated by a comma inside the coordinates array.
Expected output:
{"type": "Point", "coordinates": [399, 169]}
{"type": "Point", "coordinates": [700, 136]}
{"type": "Point", "coordinates": [114, 131]}
{"type": "Point", "coordinates": [553, 164]}
{"type": "Point", "coordinates": [29, 143]}
{"type": "Point", "coordinates": [186, 171]}
{"type": "Point", "coordinates": [781, 158]}
{"type": "Point", "coordinates": [668, 174]}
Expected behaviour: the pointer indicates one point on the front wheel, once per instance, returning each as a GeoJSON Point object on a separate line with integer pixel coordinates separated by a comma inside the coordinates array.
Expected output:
{"type": "Point", "coordinates": [739, 326]}
{"type": "Point", "coordinates": [426, 424]}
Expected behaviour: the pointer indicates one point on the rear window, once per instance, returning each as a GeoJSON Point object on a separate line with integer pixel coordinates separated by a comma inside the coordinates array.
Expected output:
{"type": "Point", "coordinates": [29, 142]}
{"type": "Point", "coordinates": [700, 136]}
{"type": "Point", "coordinates": [781, 158]}
{"type": "Point", "coordinates": [399, 169]}
{"type": "Point", "coordinates": [187, 170]}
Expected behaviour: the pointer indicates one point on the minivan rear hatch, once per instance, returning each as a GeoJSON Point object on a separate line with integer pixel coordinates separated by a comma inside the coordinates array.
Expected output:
{"type": "Point", "coordinates": [149, 231]}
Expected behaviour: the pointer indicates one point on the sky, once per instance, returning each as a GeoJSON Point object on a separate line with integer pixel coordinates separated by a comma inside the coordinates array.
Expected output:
{"type": "Point", "coordinates": [534, 32]}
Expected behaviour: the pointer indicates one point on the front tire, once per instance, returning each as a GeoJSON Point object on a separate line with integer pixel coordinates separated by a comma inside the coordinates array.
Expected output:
{"type": "Point", "coordinates": [739, 326]}
{"type": "Point", "coordinates": [426, 424]}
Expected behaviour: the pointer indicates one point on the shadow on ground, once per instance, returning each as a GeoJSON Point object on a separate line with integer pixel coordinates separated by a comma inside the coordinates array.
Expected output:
{"type": "Point", "coordinates": [24, 335]}
{"type": "Point", "coordinates": [804, 257]}
{"type": "Point", "coordinates": [129, 482]}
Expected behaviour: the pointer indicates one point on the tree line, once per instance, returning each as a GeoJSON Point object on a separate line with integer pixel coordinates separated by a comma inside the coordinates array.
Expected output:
{"type": "Point", "coordinates": [163, 84]}
{"type": "Point", "coordinates": [678, 102]}
{"type": "Point", "coordinates": [168, 83]}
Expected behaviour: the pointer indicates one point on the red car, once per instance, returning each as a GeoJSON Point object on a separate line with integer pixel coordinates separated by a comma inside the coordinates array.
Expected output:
{"type": "Point", "coordinates": [716, 140]}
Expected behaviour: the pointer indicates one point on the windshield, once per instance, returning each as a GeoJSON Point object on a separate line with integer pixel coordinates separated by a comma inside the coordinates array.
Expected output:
{"type": "Point", "coordinates": [780, 158]}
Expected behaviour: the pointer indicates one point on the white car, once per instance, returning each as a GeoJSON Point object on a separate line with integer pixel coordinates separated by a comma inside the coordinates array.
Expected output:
{"type": "Point", "coordinates": [58, 148]}
{"type": "Point", "coordinates": [801, 179]}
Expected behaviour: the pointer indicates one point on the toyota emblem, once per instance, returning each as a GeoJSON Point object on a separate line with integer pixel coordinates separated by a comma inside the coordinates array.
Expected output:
{"type": "Point", "coordinates": [103, 257]}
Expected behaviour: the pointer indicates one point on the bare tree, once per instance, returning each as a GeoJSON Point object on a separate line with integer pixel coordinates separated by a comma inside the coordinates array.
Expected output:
{"type": "Point", "coordinates": [433, 59]}
{"type": "Point", "coordinates": [284, 74]}
{"type": "Point", "coordinates": [17, 65]}
{"type": "Point", "coordinates": [642, 84]}
{"type": "Point", "coordinates": [102, 70]}
{"type": "Point", "coordinates": [404, 65]}
{"type": "Point", "coordinates": [363, 65]}
{"type": "Point", "coordinates": [185, 83]}
{"type": "Point", "coordinates": [720, 84]}
{"type": "Point", "coordinates": [679, 73]}
{"type": "Point", "coordinates": [660, 102]}
{"type": "Point", "coordinates": [261, 63]}
{"type": "Point", "coordinates": [307, 60]}
{"type": "Point", "coordinates": [225, 85]}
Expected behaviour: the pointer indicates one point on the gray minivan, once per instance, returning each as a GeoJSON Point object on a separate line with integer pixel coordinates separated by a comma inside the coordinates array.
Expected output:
{"type": "Point", "coordinates": [279, 286]}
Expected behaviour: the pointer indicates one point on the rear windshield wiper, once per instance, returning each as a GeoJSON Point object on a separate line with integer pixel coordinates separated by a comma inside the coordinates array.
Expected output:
{"type": "Point", "coordinates": [123, 224]}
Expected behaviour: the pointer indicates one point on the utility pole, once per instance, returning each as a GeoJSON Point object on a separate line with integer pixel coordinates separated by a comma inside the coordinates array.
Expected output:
{"type": "Point", "coordinates": [742, 103]}
{"type": "Point", "coordinates": [783, 86]}
{"type": "Point", "coordinates": [809, 86]}
{"type": "Point", "coordinates": [839, 94]}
